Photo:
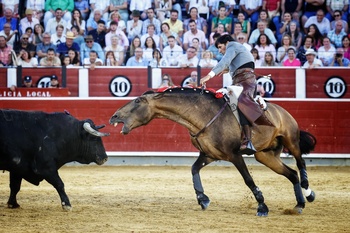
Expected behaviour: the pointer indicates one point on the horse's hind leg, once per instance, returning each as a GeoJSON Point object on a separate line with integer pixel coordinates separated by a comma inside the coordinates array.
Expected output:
{"type": "Point", "coordinates": [201, 162]}
{"type": "Point", "coordinates": [272, 160]}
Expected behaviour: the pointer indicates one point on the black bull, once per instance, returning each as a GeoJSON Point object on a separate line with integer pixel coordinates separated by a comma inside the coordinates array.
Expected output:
{"type": "Point", "coordinates": [34, 145]}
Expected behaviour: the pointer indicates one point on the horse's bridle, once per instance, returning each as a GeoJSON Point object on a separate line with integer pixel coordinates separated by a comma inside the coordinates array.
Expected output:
{"type": "Point", "coordinates": [195, 136]}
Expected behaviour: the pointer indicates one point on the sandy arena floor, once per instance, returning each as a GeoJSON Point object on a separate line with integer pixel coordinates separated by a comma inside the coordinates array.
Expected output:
{"type": "Point", "coordinates": [161, 199]}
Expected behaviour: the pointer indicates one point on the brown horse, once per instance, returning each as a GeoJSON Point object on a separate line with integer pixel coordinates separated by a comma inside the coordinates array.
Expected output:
{"type": "Point", "coordinates": [216, 133]}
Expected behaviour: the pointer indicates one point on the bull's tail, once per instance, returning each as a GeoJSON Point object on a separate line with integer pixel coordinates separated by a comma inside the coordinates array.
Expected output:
{"type": "Point", "coordinates": [307, 142]}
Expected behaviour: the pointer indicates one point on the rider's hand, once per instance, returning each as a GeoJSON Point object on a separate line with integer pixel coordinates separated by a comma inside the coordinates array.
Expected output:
{"type": "Point", "coordinates": [204, 79]}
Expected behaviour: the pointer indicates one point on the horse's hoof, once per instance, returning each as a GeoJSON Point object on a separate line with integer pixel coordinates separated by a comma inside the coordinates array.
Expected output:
{"type": "Point", "coordinates": [298, 210]}
{"type": "Point", "coordinates": [263, 210]}
{"type": "Point", "coordinates": [262, 214]}
{"type": "Point", "coordinates": [203, 200]}
{"type": "Point", "coordinates": [67, 208]}
{"type": "Point", "coordinates": [13, 206]}
{"type": "Point", "coordinates": [205, 204]}
{"type": "Point", "coordinates": [311, 197]}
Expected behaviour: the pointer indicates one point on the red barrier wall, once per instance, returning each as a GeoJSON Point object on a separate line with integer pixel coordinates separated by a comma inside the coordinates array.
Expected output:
{"type": "Point", "coordinates": [329, 121]}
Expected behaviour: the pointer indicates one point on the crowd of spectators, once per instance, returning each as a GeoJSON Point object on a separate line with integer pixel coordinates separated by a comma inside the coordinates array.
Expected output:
{"type": "Point", "coordinates": [172, 33]}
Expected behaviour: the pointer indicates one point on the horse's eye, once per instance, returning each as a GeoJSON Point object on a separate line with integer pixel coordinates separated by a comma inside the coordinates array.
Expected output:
{"type": "Point", "coordinates": [137, 100]}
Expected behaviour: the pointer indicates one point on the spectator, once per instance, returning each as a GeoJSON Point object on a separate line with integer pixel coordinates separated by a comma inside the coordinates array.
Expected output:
{"type": "Point", "coordinates": [212, 48]}
{"type": "Point", "coordinates": [102, 6]}
{"type": "Point", "coordinates": [51, 59]}
{"type": "Point", "coordinates": [339, 59]}
{"type": "Point", "coordinates": [346, 46]}
{"type": "Point", "coordinates": [78, 38]}
{"type": "Point", "coordinates": [5, 52]}
{"type": "Point", "coordinates": [41, 48]}
{"type": "Point", "coordinates": [163, 40]}
{"type": "Point", "coordinates": [141, 6]}
{"type": "Point", "coordinates": [10, 4]}
{"type": "Point", "coordinates": [117, 50]}
{"type": "Point", "coordinates": [24, 44]}
{"type": "Point", "coordinates": [73, 57]}
{"type": "Point", "coordinates": [110, 59]}
{"type": "Point", "coordinates": [269, 60]}
{"type": "Point", "coordinates": [37, 7]}
{"type": "Point", "coordinates": [308, 44]}
{"type": "Point", "coordinates": [320, 21]}
{"type": "Point", "coordinates": [27, 83]}
{"type": "Point", "coordinates": [336, 5]}
{"type": "Point", "coordinates": [149, 47]}
{"type": "Point", "coordinates": [137, 59]}
{"type": "Point", "coordinates": [193, 80]}
{"type": "Point", "coordinates": [295, 34]}
{"type": "Point", "coordinates": [83, 7]}
{"type": "Point", "coordinates": [120, 6]}
{"type": "Point", "coordinates": [246, 28]}
{"type": "Point", "coordinates": [58, 37]}
{"type": "Point", "coordinates": [99, 34]}
{"type": "Point", "coordinates": [174, 23]}
{"type": "Point", "coordinates": [316, 34]}
{"type": "Point", "coordinates": [63, 48]}
{"type": "Point", "coordinates": [38, 34]}
{"type": "Point", "coordinates": [123, 40]}
{"type": "Point", "coordinates": [273, 8]}
{"type": "Point", "coordinates": [291, 60]}
{"type": "Point", "coordinates": [201, 24]}
{"type": "Point", "coordinates": [29, 32]}
{"type": "Point", "coordinates": [93, 60]}
{"type": "Point", "coordinates": [52, 23]}
{"type": "Point", "coordinates": [260, 90]}
{"type": "Point", "coordinates": [237, 29]}
{"type": "Point", "coordinates": [264, 45]}
{"type": "Point", "coordinates": [284, 26]}
{"type": "Point", "coordinates": [220, 29]}
{"type": "Point", "coordinates": [158, 60]}
{"type": "Point", "coordinates": [199, 49]}
{"type": "Point", "coordinates": [9, 34]}
{"type": "Point", "coordinates": [151, 20]}
{"type": "Point", "coordinates": [65, 60]}
{"type": "Point", "coordinates": [54, 82]}
{"type": "Point", "coordinates": [241, 39]}
{"type": "Point", "coordinates": [336, 35]}
{"type": "Point", "coordinates": [223, 19]}
{"type": "Point", "coordinates": [202, 6]}
{"type": "Point", "coordinates": [178, 8]}
{"type": "Point", "coordinates": [251, 10]}
{"type": "Point", "coordinates": [311, 9]}
{"type": "Point", "coordinates": [257, 60]}
{"type": "Point", "coordinates": [162, 9]}
{"type": "Point", "coordinates": [28, 21]}
{"type": "Point", "coordinates": [77, 20]}
{"type": "Point", "coordinates": [65, 8]}
{"type": "Point", "coordinates": [115, 16]}
{"type": "Point", "coordinates": [150, 33]}
{"type": "Point", "coordinates": [311, 60]}
{"type": "Point", "coordinates": [263, 16]}
{"type": "Point", "coordinates": [207, 60]}
{"type": "Point", "coordinates": [166, 81]}
{"type": "Point", "coordinates": [7, 18]}
{"type": "Point", "coordinates": [292, 6]}
{"type": "Point", "coordinates": [135, 43]}
{"type": "Point", "coordinates": [262, 30]}
{"type": "Point", "coordinates": [89, 45]}
{"type": "Point", "coordinates": [189, 59]}
{"type": "Point", "coordinates": [172, 51]}
{"type": "Point", "coordinates": [337, 16]}
{"type": "Point", "coordinates": [25, 60]}
{"type": "Point", "coordinates": [282, 54]}
{"type": "Point", "coordinates": [194, 32]}
{"type": "Point", "coordinates": [326, 52]}
{"type": "Point", "coordinates": [134, 26]}
{"type": "Point", "coordinates": [93, 22]}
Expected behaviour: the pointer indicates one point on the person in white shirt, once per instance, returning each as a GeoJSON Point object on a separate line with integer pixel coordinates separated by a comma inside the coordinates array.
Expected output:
{"type": "Point", "coordinates": [134, 26]}
{"type": "Point", "coordinates": [172, 51]}
{"type": "Point", "coordinates": [53, 22]}
{"type": "Point", "coordinates": [141, 6]}
{"type": "Point", "coordinates": [150, 33]}
{"type": "Point", "coordinates": [194, 32]}
{"type": "Point", "coordinates": [102, 5]}
{"type": "Point", "coordinates": [189, 59]}
{"type": "Point", "coordinates": [92, 61]}
{"type": "Point", "coordinates": [311, 60]}
{"type": "Point", "coordinates": [114, 30]}
{"type": "Point", "coordinates": [322, 23]}
{"type": "Point", "coordinates": [28, 21]}
{"type": "Point", "coordinates": [9, 34]}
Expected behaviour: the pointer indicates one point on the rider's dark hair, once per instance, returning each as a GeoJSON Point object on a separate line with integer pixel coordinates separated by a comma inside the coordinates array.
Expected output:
{"type": "Point", "coordinates": [223, 40]}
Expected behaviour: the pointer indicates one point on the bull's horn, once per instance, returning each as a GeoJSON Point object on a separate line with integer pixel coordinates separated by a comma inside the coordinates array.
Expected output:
{"type": "Point", "coordinates": [90, 130]}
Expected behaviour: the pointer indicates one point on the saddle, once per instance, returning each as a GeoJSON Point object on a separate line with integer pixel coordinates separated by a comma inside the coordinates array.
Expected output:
{"type": "Point", "coordinates": [253, 110]}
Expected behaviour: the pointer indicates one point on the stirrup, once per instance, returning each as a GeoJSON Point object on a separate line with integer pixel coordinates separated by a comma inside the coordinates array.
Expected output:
{"type": "Point", "coordinates": [247, 149]}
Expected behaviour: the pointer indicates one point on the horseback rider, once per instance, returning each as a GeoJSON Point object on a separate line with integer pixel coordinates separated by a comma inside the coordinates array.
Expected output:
{"type": "Point", "coordinates": [239, 62]}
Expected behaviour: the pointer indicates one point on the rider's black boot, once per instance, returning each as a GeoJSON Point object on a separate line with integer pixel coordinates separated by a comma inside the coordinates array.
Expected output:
{"type": "Point", "coordinates": [247, 146]}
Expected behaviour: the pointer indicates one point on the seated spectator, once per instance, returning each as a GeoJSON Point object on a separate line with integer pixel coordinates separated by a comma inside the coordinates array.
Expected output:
{"type": "Point", "coordinates": [346, 46]}
{"type": "Point", "coordinates": [264, 45]}
{"type": "Point", "coordinates": [41, 48]}
{"type": "Point", "coordinates": [65, 60]}
{"type": "Point", "coordinates": [73, 57]}
{"type": "Point", "coordinates": [92, 22]}
{"type": "Point", "coordinates": [251, 10]}
{"type": "Point", "coordinates": [313, 31]}
{"type": "Point", "coordinates": [194, 32]}
{"type": "Point", "coordinates": [166, 81]}
{"type": "Point", "coordinates": [51, 59]}
{"type": "Point", "coordinates": [284, 26]}
{"type": "Point", "coordinates": [38, 34]}
{"type": "Point", "coordinates": [200, 23]}
{"type": "Point", "coordinates": [52, 23]}
{"type": "Point", "coordinates": [158, 60]}
{"type": "Point", "coordinates": [134, 26]}
{"type": "Point", "coordinates": [336, 35]}
{"type": "Point", "coordinates": [339, 59]}
{"type": "Point", "coordinates": [222, 19]}
{"type": "Point", "coordinates": [189, 59]}
{"type": "Point", "coordinates": [311, 9]}
{"type": "Point", "coordinates": [78, 38]}
{"type": "Point", "coordinates": [242, 40]}
{"type": "Point", "coordinates": [326, 52]}
{"type": "Point", "coordinates": [54, 82]}
{"type": "Point", "coordinates": [9, 34]}
{"type": "Point", "coordinates": [294, 7]}
{"type": "Point", "coordinates": [150, 33]}
{"type": "Point", "coordinates": [27, 83]}
{"type": "Point", "coordinates": [28, 21]}
{"type": "Point", "coordinates": [58, 37]}
{"type": "Point", "coordinates": [83, 7]}
{"type": "Point", "coordinates": [295, 34]}
{"type": "Point", "coordinates": [151, 19]}
{"type": "Point", "coordinates": [5, 52]}
{"type": "Point", "coordinates": [282, 54]}
{"type": "Point", "coordinates": [8, 18]}
{"type": "Point", "coordinates": [264, 16]}
{"type": "Point", "coordinates": [29, 32]}
{"type": "Point", "coordinates": [102, 6]}
{"type": "Point", "coordinates": [202, 6]}
{"type": "Point", "coordinates": [135, 43]}
{"type": "Point", "coordinates": [175, 24]}
{"type": "Point", "coordinates": [117, 49]}
{"type": "Point", "coordinates": [207, 60]}
{"type": "Point", "coordinates": [63, 48]}
{"type": "Point", "coordinates": [192, 81]}
{"type": "Point", "coordinates": [162, 9]}
{"type": "Point", "coordinates": [149, 47]}
{"type": "Point", "coordinates": [163, 40]}
{"type": "Point", "coordinates": [123, 40]}
{"type": "Point", "coordinates": [25, 60]}
{"type": "Point", "coordinates": [308, 44]}
{"type": "Point", "coordinates": [143, 7]}
{"type": "Point", "coordinates": [334, 6]}
{"type": "Point", "coordinates": [268, 60]}
{"type": "Point", "coordinates": [24, 44]}
{"type": "Point", "coordinates": [321, 22]}
{"type": "Point", "coordinates": [237, 29]}
{"type": "Point", "coordinates": [246, 28]}
{"type": "Point", "coordinates": [262, 30]}
{"type": "Point", "coordinates": [219, 29]}
{"type": "Point", "coordinates": [172, 51]}
{"type": "Point", "coordinates": [121, 7]}
{"type": "Point", "coordinates": [215, 51]}
{"type": "Point", "coordinates": [338, 16]}
{"type": "Point", "coordinates": [99, 34]}
{"type": "Point", "coordinates": [137, 59]}
{"type": "Point", "coordinates": [89, 45]}
{"type": "Point", "coordinates": [272, 8]}
{"type": "Point", "coordinates": [199, 49]}
{"type": "Point", "coordinates": [291, 60]}
{"type": "Point", "coordinates": [53, 7]}
{"type": "Point", "coordinates": [93, 60]}
{"type": "Point", "coordinates": [37, 7]}
{"type": "Point", "coordinates": [115, 16]}
{"type": "Point", "coordinates": [257, 59]}
{"type": "Point", "coordinates": [77, 20]}
{"type": "Point", "coordinates": [110, 59]}
{"type": "Point", "coordinates": [311, 60]}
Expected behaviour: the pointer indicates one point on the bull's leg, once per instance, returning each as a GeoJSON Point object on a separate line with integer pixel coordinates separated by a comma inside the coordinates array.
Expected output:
{"type": "Point", "coordinates": [239, 163]}
{"type": "Point", "coordinates": [15, 186]}
{"type": "Point", "coordinates": [201, 162]}
{"type": "Point", "coordinates": [55, 181]}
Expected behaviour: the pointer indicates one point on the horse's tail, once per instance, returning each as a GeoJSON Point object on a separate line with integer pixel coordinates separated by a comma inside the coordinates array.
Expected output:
{"type": "Point", "coordinates": [307, 142]}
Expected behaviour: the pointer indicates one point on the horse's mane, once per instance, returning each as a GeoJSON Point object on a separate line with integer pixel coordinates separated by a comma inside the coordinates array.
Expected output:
{"type": "Point", "coordinates": [185, 90]}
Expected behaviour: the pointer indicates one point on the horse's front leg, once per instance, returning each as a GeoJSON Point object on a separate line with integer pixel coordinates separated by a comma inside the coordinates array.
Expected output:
{"type": "Point", "coordinates": [239, 163]}
{"type": "Point", "coordinates": [201, 162]}
{"type": "Point", "coordinates": [304, 181]}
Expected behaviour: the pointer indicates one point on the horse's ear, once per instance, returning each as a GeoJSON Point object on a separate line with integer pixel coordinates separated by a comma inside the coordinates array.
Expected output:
{"type": "Point", "coordinates": [148, 92]}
